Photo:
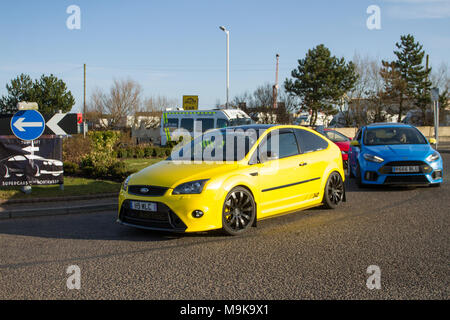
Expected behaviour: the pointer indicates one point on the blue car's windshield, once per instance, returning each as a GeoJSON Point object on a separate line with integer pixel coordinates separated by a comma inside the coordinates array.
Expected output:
{"type": "Point", "coordinates": [393, 136]}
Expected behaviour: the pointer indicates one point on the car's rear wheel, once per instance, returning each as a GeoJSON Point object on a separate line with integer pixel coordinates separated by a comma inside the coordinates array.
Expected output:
{"type": "Point", "coordinates": [334, 192]}
{"type": "Point", "coordinates": [239, 211]}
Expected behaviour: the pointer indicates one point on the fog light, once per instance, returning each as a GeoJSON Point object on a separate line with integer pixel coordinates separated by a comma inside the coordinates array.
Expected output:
{"type": "Point", "coordinates": [197, 213]}
{"type": "Point", "coordinates": [437, 175]}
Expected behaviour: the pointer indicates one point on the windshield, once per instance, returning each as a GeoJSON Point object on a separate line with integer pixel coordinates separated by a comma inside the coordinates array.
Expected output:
{"type": "Point", "coordinates": [217, 145]}
{"type": "Point", "coordinates": [240, 121]}
{"type": "Point", "coordinates": [392, 136]}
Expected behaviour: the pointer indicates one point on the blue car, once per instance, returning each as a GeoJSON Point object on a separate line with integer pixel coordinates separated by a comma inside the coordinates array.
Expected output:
{"type": "Point", "coordinates": [394, 154]}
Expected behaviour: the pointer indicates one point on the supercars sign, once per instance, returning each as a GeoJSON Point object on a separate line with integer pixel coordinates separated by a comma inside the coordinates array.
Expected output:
{"type": "Point", "coordinates": [24, 164]}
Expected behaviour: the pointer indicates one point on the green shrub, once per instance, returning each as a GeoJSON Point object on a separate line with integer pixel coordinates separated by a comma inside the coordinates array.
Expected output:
{"type": "Point", "coordinates": [130, 152]}
{"type": "Point", "coordinates": [148, 152]}
{"type": "Point", "coordinates": [70, 167]}
{"type": "Point", "coordinates": [139, 152]}
{"type": "Point", "coordinates": [154, 153]}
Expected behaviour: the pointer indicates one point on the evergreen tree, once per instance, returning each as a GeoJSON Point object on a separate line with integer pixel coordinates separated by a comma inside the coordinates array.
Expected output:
{"type": "Point", "coordinates": [409, 63]}
{"type": "Point", "coordinates": [395, 87]}
{"type": "Point", "coordinates": [320, 80]}
{"type": "Point", "coordinates": [49, 92]}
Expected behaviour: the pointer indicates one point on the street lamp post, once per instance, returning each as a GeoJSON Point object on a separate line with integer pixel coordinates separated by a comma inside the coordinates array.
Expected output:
{"type": "Point", "coordinates": [228, 62]}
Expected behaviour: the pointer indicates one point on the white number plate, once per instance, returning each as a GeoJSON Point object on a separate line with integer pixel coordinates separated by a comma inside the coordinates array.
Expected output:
{"type": "Point", "coordinates": [407, 169]}
{"type": "Point", "coordinates": [144, 206]}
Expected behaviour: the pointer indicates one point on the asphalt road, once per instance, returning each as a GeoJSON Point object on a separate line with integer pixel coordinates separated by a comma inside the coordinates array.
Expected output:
{"type": "Point", "coordinates": [313, 254]}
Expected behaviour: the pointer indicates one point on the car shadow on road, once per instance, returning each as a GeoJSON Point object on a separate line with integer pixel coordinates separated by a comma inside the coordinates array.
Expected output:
{"type": "Point", "coordinates": [351, 186]}
{"type": "Point", "coordinates": [99, 226]}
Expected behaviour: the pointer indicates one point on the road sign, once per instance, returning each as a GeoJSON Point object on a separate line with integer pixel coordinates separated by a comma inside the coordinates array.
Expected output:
{"type": "Point", "coordinates": [435, 94]}
{"type": "Point", "coordinates": [27, 124]}
{"type": "Point", "coordinates": [190, 102]}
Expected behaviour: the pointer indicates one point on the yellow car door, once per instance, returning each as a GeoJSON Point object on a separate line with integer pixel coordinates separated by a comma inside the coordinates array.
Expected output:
{"type": "Point", "coordinates": [314, 160]}
{"type": "Point", "coordinates": [281, 175]}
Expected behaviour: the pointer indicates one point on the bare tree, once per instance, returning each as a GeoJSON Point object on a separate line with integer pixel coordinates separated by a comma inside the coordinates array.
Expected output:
{"type": "Point", "coordinates": [440, 78]}
{"type": "Point", "coordinates": [159, 103]}
{"type": "Point", "coordinates": [263, 95]}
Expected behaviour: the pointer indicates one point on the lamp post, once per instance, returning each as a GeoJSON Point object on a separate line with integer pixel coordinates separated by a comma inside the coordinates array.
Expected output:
{"type": "Point", "coordinates": [228, 62]}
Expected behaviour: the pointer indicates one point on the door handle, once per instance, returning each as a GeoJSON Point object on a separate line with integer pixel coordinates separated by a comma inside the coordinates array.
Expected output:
{"type": "Point", "coordinates": [254, 174]}
{"type": "Point", "coordinates": [302, 164]}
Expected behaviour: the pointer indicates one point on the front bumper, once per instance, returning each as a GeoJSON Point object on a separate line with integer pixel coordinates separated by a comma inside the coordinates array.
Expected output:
{"type": "Point", "coordinates": [381, 173]}
{"type": "Point", "coordinates": [174, 212]}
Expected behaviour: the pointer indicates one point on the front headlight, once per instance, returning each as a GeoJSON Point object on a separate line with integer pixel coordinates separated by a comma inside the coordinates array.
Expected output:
{"type": "Point", "coordinates": [372, 158]}
{"type": "Point", "coordinates": [193, 187]}
{"type": "Point", "coordinates": [433, 157]}
{"type": "Point", "coordinates": [125, 184]}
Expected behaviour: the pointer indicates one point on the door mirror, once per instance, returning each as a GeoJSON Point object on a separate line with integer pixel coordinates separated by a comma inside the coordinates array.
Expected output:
{"type": "Point", "coordinates": [432, 140]}
{"type": "Point", "coordinates": [269, 155]}
{"type": "Point", "coordinates": [355, 143]}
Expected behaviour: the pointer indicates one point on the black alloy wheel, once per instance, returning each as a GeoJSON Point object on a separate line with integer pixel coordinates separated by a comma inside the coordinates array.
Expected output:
{"type": "Point", "coordinates": [334, 192]}
{"type": "Point", "coordinates": [239, 211]}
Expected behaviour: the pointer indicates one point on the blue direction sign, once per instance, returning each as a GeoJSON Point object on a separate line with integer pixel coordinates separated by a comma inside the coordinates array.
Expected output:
{"type": "Point", "coordinates": [27, 124]}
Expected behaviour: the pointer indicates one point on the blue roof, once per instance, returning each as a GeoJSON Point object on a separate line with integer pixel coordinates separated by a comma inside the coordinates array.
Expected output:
{"type": "Point", "coordinates": [388, 124]}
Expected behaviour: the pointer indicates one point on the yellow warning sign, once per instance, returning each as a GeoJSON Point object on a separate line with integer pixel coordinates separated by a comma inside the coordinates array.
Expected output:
{"type": "Point", "coordinates": [190, 102]}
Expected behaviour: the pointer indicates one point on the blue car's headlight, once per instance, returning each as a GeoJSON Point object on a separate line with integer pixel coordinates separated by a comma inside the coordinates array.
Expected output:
{"type": "Point", "coordinates": [433, 157]}
{"type": "Point", "coordinates": [372, 158]}
{"type": "Point", "coordinates": [192, 187]}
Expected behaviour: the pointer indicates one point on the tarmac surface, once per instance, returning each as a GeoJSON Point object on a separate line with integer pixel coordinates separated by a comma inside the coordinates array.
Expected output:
{"type": "Point", "coordinates": [312, 254]}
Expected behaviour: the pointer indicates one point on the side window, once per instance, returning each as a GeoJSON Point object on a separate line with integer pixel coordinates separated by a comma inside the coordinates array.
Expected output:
{"type": "Point", "coordinates": [222, 123]}
{"type": "Point", "coordinates": [172, 123]}
{"type": "Point", "coordinates": [187, 124]}
{"type": "Point", "coordinates": [205, 124]}
{"type": "Point", "coordinates": [310, 142]}
{"type": "Point", "coordinates": [286, 145]}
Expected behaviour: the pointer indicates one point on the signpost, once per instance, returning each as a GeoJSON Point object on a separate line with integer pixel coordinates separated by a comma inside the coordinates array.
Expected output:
{"type": "Point", "coordinates": [23, 163]}
{"type": "Point", "coordinates": [190, 102]}
{"type": "Point", "coordinates": [435, 99]}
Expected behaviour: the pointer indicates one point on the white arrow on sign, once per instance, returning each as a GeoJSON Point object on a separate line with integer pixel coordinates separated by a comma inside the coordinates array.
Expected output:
{"type": "Point", "coordinates": [20, 125]}
{"type": "Point", "coordinates": [30, 149]}
{"type": "Point", "coordinates": [52, 124]}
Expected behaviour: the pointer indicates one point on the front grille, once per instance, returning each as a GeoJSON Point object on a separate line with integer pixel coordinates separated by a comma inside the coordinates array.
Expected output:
{"type": "Point", "coordinates": [163, 218]}
{"type": "Point", "coordinates": [417, 179]}
{"type": "Point", "coordinates": [152, 191]}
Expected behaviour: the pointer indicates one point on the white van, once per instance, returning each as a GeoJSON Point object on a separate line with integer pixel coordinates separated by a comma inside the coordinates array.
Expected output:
{"type": "Point", "coordinates": [200, 121]}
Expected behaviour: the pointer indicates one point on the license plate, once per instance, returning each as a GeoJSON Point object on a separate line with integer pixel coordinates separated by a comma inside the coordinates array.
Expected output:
{"type": "Point", "coordinates": [407, 169]}
{"type": "Point", "coordinates": [144, 206]}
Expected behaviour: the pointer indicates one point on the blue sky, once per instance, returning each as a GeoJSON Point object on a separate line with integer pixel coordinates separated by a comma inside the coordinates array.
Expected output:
{"type": "Point", "coordinates": [175, 48]}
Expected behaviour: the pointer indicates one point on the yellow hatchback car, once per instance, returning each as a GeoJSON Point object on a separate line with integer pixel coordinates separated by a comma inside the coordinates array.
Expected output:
{"type": "Point", "coordinates": [229, 178]}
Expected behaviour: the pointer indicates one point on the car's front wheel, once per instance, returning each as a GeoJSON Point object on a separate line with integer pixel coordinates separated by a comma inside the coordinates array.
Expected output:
{"type": "Point", "coordinates": [239, 211]}
{"type": "Point", "coordinates": [334, 192]}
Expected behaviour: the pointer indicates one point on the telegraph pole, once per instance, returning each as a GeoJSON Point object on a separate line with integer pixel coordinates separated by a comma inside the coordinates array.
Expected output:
{"type": "Point", "coordinates": [84, 101]}
{"type": "Point", "coordinates": [275, 87]}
